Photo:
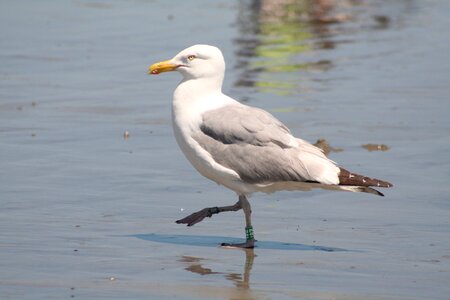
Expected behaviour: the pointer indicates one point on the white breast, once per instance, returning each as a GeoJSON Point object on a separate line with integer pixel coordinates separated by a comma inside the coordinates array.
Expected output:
{"type": "Point", "coordinates": [186, 121]}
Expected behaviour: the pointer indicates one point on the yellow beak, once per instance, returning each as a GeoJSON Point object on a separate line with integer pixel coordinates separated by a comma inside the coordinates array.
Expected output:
{"type": "Point", "coordinates": [160, 67]}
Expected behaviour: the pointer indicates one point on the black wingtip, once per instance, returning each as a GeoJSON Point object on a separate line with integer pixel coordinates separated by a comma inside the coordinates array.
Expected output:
{"type": "Point", "coordinates": [366, 189]}
{"type": "Point", "coordinates": [349, 178]}
{"type": "Point", "coordinates": [374, 191]}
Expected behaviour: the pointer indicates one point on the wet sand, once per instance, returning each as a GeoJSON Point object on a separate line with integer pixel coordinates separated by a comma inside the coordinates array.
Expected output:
{"type": "Point", "coordinates": [88, 211]}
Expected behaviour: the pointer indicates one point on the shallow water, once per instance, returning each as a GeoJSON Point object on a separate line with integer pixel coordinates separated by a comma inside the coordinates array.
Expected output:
{"type": "Point", "coordinates": [86, 213]}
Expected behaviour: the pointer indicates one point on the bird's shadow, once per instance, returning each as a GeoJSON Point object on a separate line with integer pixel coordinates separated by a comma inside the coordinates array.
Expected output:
{"type": "Point", "coordinates": [215, 241]}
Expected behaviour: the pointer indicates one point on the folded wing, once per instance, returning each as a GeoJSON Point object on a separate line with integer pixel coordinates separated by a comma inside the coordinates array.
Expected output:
{"type": "Point", "coordinates": [260, 148]}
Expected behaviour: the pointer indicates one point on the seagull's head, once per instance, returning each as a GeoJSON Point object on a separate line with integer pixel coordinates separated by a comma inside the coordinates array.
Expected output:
{"type": "Point", "coordinates": [198, 61]}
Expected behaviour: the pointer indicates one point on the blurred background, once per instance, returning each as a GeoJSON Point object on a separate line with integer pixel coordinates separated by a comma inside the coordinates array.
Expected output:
{"type": "Point", "coordinates": [91, 179]}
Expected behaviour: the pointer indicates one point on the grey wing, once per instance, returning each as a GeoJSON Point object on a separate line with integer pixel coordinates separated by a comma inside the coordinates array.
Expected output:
{"type": "Point", "coordinates": [251, 142]}
{"type": "Point", "coordinates": [244, 124]}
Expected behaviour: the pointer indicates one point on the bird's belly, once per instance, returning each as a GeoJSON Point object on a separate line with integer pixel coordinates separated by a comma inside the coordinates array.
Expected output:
{"type": "Point", "coordinates": [200, 159]}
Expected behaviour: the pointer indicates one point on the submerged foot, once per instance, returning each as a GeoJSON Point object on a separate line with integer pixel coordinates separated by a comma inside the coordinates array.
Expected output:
{"type": "Point", "coordinates": [249, 244]}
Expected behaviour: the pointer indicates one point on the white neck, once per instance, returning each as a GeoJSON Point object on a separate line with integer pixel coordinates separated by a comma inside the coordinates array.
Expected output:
{"type": "Point", "coordinates": [194, 97]}
{"type": "Point", "coordinates": [198, 87]}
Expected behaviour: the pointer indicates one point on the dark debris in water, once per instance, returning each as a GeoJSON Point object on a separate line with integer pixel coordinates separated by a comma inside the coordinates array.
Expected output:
{"type": "Point", "coordinates": [326, 147]}
{"type": "Point", "coordinates": [375, 147]}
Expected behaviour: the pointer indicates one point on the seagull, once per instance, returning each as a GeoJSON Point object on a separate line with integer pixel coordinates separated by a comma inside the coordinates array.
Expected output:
{"type": "Point", "coordinates": [243, 148]}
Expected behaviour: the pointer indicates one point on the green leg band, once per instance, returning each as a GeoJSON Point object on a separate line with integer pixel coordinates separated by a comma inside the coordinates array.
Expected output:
{"type": "Point", "coordinates": [249, 233]}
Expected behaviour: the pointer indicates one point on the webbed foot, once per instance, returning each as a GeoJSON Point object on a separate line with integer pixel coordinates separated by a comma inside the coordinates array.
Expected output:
{"type": "Point", "coordinates": [198, 216]}
{"type": "Point", "coordinates": [249, 244]}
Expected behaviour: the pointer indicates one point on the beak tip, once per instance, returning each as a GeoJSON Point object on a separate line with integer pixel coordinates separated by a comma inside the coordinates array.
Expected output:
{"type": "Point", "coordinates": [152, 71]}
{"type": "Point", "coordinates": [160, 67]}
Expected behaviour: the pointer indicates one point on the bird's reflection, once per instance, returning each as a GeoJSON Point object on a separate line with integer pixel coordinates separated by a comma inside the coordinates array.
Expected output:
{"type": "Point", "coordinates": [241, 280]}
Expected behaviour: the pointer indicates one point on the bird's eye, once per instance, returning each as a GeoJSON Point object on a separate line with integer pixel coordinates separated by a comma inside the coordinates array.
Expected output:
{"type": "Point", "coordinates": [191, 57]}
